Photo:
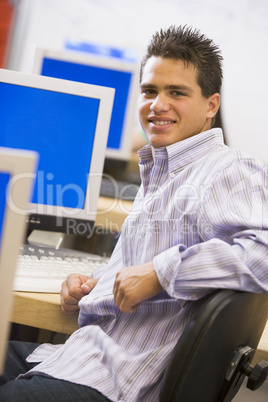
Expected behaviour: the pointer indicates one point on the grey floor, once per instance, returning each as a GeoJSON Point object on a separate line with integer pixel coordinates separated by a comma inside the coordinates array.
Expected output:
{"type": "Point", "coordinates": [246, 395]}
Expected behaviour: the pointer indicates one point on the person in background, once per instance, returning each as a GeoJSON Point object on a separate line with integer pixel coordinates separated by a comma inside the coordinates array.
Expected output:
{"type": "Point", "coordinates": [198, 223]}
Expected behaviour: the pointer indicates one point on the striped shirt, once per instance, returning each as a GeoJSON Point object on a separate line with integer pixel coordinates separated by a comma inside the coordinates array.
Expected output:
{"type": "Point", "coordinates": [201, 215]}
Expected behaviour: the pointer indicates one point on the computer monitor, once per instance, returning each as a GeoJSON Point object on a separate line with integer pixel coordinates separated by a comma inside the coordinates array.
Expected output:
{"type": "Point", "coordinates": [117, 73]}
{"type": "Point", "coordinates": [67, 123]}
{"type": "Point", "coordinates": [16, 176]}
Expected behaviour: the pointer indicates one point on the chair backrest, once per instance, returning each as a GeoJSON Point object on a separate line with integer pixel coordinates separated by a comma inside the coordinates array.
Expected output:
{"type": "Point", "coordinates": [227, 322]}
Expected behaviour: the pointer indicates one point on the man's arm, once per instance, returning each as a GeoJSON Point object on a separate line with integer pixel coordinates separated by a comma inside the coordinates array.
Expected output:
{"type": "Point", "coordinates": [73, 289]}
{"type": "Point", "coordinates": [233, 225]}
{"type": "Point", "coordinates": [135, 284]}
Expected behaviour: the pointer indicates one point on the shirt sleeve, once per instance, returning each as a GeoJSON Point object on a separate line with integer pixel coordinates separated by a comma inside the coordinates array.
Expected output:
{"type": "Point", "coordinates": [233, 252]}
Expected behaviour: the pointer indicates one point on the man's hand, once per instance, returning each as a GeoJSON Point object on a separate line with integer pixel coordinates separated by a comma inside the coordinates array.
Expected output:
{"type": "Point", "coordinates": [135, 284]}
{"type": "Point", "coordinates": [73, 289]}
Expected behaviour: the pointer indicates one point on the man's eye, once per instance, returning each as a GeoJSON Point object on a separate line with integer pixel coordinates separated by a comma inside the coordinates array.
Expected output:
{"type": "Point", "coordinates": [149, 92]}
{"type": "Point", "coordinates": [177, 93]}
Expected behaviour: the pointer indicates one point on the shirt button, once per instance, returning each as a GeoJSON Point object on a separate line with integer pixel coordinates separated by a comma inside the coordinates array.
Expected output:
{"type": "Point", "coordinates": [171, 175]}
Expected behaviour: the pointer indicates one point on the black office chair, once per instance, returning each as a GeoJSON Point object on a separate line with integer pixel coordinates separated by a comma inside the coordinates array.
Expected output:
{"type": "Point", "coordinates": [213, 355]}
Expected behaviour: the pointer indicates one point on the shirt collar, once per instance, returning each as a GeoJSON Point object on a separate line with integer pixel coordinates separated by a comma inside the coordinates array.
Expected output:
{"type": "Point", "coordinates": [186, 151]}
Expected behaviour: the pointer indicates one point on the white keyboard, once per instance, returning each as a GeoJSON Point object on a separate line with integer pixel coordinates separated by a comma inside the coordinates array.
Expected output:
{"type": "Point", "coordinates": [41, 269]}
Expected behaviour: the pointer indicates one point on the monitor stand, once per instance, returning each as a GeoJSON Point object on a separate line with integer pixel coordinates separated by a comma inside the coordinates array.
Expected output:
{"type": "Point", "coordinates": [44, 238]}
{"type": "Point", "coordinates": [100, 243]}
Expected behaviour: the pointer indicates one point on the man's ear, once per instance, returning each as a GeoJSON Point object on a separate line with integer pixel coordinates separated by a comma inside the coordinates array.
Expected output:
{"type": "Point", "coordinates": [213, 105]}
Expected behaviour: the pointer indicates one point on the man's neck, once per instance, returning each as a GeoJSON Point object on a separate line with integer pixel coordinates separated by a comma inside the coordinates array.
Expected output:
{"type": "Point", "coordinates": [153, 152]}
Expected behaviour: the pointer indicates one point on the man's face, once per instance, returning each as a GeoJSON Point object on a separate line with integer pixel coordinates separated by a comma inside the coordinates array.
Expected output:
{"type": "Point", "coordinates": [171, 105]}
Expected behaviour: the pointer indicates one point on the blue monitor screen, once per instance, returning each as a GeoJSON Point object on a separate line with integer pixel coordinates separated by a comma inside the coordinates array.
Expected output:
{"type": "Point", "coordinates": [120, 80]}
{"type": "Point", "coordinates": [4, 178]}
{"type": "Point", "coordinates": [61, 128]}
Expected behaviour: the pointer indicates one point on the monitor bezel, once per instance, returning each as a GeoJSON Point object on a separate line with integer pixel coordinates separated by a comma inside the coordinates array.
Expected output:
{"type": "Point", "coordinates": [79, 57]}
{"type": "Point", "coordinates": [20, 165]}
{"type": "Point", "coordinates": [55, 218]}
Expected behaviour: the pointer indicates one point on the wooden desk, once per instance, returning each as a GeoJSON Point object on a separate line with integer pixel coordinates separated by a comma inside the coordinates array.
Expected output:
{"type": "Point", "coordinates": [43, 311]}
{"type": "Point", "coordinates": [111, 213]}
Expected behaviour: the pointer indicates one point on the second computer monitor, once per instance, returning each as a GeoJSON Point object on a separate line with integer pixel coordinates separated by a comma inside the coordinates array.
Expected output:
{"type": "Point", "coordinates": [105, 71]}
{"type": "Point", "coordinates": [67, 123]}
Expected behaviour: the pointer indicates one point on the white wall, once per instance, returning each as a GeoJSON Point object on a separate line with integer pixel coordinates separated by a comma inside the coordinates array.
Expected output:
{"type": "Point", "coordinates": [239, 27]}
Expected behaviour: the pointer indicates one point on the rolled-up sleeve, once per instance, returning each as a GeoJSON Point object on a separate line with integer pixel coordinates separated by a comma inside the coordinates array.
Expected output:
{"type": "Point", "coordinates": [233, 226]}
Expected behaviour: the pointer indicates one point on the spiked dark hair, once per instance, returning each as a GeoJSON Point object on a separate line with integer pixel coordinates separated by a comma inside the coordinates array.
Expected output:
{"type": "Point", "coordinates": [189, 45]}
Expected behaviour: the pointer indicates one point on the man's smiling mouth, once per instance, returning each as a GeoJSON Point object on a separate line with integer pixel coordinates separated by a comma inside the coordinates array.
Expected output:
{"type": "Point", "coordinates": [162, 123]}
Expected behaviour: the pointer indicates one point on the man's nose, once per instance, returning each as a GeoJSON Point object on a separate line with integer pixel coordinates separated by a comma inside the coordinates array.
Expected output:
{"type": "Point", "coordinates": [160, 104]}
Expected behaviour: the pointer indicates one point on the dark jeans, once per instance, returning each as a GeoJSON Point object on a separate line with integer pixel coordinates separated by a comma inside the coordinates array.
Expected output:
{"type": "Point", "coordinates": [38, 388]}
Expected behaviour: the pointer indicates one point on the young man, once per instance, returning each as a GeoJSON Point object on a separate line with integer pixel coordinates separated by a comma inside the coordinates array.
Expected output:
{"type": "Point", "coordinates": [199, 222]}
